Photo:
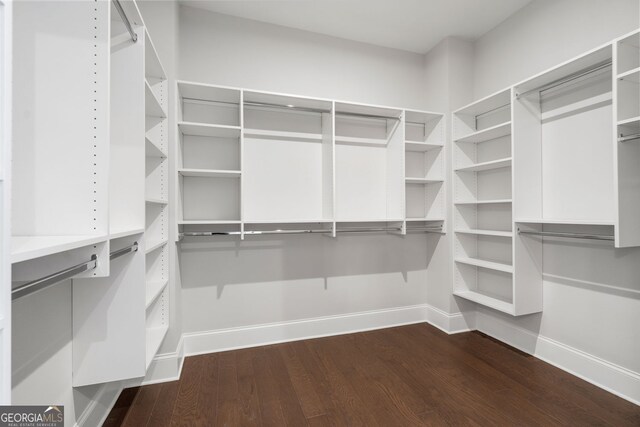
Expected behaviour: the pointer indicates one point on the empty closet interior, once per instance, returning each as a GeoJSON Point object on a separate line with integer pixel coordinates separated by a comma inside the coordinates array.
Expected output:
{"type": "Point", "coordinates": [147, 182]}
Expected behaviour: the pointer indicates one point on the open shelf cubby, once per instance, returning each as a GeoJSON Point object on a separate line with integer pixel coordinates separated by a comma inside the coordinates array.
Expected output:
{"type": "Point", "coordinates": [206, 104]}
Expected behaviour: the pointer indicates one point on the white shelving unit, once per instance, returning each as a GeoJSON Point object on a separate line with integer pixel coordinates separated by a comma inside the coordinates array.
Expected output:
{"type": "Point", "coordinates": [483, 243]}
{"type": "Point", "coordinates": [5, 189]}
{"type": "Point", "coordinates": [248, 159]}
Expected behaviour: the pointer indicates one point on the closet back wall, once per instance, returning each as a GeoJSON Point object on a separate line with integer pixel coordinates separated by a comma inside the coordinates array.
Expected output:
{"type": "Point", "coordinates": [229, 284]}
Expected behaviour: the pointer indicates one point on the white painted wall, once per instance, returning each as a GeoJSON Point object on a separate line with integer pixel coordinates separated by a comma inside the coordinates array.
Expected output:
{"type": "Point", "coordinates": [591, 291]}
{"type": "Point", "coordinates": [229, 284]}
{"type": "Point", "coordinates": [231, 51]}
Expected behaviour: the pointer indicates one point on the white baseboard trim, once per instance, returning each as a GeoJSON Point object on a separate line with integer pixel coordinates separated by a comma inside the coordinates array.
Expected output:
{"type": "Point", "coordinates": [454, 323]}
{"type": "Point", "coordinates": [608, 376]}
{"type": "Point", "coordinates": [96, 413]}
{"type": "Point", "coordinates": [274, 333]}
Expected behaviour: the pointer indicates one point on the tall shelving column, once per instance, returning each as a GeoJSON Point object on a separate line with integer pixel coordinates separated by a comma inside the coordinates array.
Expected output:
{"type": "Point", "coordinates": [626, 89]}
{"type": "Point", "coordinates": [5, 190]}
{"type": "Point", "coordinates": [483, 243]}
{"type": "Point", "coordinates": [425, 169]}
{"type": "Point", "coordinates": [157, 197]}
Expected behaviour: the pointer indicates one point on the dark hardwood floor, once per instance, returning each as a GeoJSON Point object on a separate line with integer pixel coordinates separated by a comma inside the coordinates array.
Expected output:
{"type": "Point", "coordinates": [410, 375]}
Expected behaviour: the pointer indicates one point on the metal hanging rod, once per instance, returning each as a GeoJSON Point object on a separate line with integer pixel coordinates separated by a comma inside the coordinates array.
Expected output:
{"type": "Point", "coordinates": [120, 252]}
{"type": "Point", "coordinates": [52, 279]}
{"type": "Point", "coordinates": [568, 235]}
{"type": "Point", "coordinates": [629, 137]}
{"type": "Point", "coordinates": [125, 19]}
{"type": "Point", "coordinates": [486, 113]}
{"type": "Point", "coordinates": [569, 78]}
{"type": "Point", "coordinates": [366, 116]}
{"type": "Point", "coordinates": [209, 101]}
{"type": "Point", "coordinates": [286, 107]}
{"type": "Point", "coordinates": [306, 231]}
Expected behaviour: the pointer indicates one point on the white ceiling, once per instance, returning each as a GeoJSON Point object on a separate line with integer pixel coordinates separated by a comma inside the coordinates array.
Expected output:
{"type": "Point", "coordinates": [413, 25]}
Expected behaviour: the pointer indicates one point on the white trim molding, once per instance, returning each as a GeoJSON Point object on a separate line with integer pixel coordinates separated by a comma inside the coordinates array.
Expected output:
{"type": "Point", "coordinates": [613, 378]}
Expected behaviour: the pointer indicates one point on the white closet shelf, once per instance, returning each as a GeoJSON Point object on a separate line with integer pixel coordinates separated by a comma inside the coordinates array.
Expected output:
{"type": "Point", "coordinates": [152, 149]}
{"type": "Point", "coordinates": [368, 220]}
{"type": "Point", "coordinates": [155, 246]}
{"type": "Point", "coordinates": [484, 202]}
{"type": "Point", "coordinates": [486, 300]}
{"type": "Point", "coordinates": [152, 107]}
{"type": "Point", "coordinates": [564, 221]}
{"type": "Point", "coordinates": [369, 142]}
{"type": "Point", "coordinates": [154, 339]}
{"type": "Point", "coordinates": [289, 221]}
{"type": "Point", "coordinates": [491, 265]}
{"type": "Point", "coordinates": [424, 219]}
{"type": "Point", "coordinates": [285, 135]}
{"type": "Point", "coordinates": [210, 173]}
{"type": "Point", "coordinates": [421, 146]}
{"type": "Point", "coordinates": [479, 232]}
{"type": "Point", "coordinates": [209, 222]}
{"type": "Point", "coordinates": [125, 233]}
{"type": "Point", "coordinates": [156, 201]}
{"type": "Point", "coordinates": [423, 181]}
{"type": "Point", "coordinates": [631, 75]}
{"type": "Point", "coordinates": [630, 121]}
{"type": "Point", "coordinates": [205, 129]}
{"type": "Point", "coordinates": [488, 134]}
{"type": "Point", "coordinates": [152, 65]}
{"type": "Point", "coordinates": [24, 248]}
{"type": "Point", "coordinates": [485, 166]}
{"type": "Point", "coordinates": [154, 289]}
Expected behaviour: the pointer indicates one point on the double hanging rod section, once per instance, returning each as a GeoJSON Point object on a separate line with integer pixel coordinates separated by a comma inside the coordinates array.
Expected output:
{"type": "Point", "coordinates": [68, 273]}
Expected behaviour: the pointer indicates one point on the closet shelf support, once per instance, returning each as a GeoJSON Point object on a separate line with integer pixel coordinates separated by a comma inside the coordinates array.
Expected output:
{"type": "Point", "coordinates": [52, 279]}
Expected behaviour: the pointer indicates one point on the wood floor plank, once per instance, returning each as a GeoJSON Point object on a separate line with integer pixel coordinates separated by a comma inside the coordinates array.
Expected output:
{"type": "Point", "coordinates": [410, 375]}
{"type": "Point", "coordinates": [291, 408]}
{"type": "Point", "coordinates": [228, 408]}
{"type": "Point", "coordinates": [184, 411]}
{"type": "Point", "coordinates": [249, 403]}
{"type": "Point", "coordinates": [142, 405]}
{"type": "Point", "coordinates": [163, 409]}
{"type": "Point", "coordinates": [271, 413]}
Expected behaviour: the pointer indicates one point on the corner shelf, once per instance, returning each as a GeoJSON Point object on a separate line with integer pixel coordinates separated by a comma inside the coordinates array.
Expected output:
{"type": "Point", "coordinates": [210, 173]}
{"type": "Point", "coordinates": [488, 134]}
{"type": "Point", "coordinates": [487, 301]}
{"type": "Point", "coordinates": [153, 108]}
{"type": "Point", "coordinates": [485, 166]}
{"type": "Point", "coordinates": [421, 146]}
{"type": "Point", "coordinates": [205, 129]}
{"type": "Point", "coordinates": [478, 232]}
{"type": "Point", "coordinates": [491, 265]}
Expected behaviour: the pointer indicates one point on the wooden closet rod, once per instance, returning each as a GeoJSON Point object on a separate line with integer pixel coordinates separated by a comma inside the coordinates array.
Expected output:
{"type": "Point", "coordinates": [125, 20]}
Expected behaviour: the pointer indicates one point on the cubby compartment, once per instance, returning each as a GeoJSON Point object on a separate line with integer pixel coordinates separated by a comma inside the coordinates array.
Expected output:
{"type": "Point", "coordinates": [157, 325]}
{"type": "Point", "coordinates": [483, 187]}
{"type": "Point", "coordinates": [209, 147]}
{"type": "Point", "coordinates": [287, 158]}
{"type": "Point", "coordinates": [424, 131]}
{"type": "Point", "coordinates": [205, 104]}
{"type": "Point", "coordinates": [492, 252]}
{"type": "Point", "coordinates": [369, 155]}
{"type": "Point", "coordinates": [210, 198]}
{"type": "Point", "coordinates": [425, 201]}
{"type": "Point", "coordinates": [488, 118]}
{"type": "Point", "coordinates": [489, 287]}
{"type": "Point", "coordinates": [628, 53]}
{"type": "Point", "coordinates": [628, 103]}
{"type": "Point", "coordinates": [496, 217]}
